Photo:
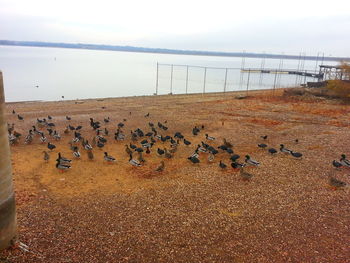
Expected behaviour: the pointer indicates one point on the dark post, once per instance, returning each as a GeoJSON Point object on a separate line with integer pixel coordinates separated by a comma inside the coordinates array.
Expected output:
{"type": "Point", "coordinates": [248, 81]}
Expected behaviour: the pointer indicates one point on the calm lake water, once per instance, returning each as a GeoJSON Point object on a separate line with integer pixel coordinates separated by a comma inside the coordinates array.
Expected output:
{"type": "Point", "coordinates": [36, 73]}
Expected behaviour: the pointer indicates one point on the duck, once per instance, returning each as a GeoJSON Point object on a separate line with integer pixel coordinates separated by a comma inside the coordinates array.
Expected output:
{"type": "Point", "coordinates": [186, 142]}
{"type": "Point", "coordinates": [227, 144]}
{"type": "Point", "coordinates": [139, 150]}
{"type": "Point", "coordinates": [237, 165]}
{"type": "Point", "coordinates": [108, 158]}
{"type": "Point", "coordinates": [212, 150]}
{"type": "Point", "coordinates": [43, 138]}
{"type": "Point", "coordinates": [46, 156]}
{"type": "Point", "coordinates": [87, 146]}
{"type": "Point", "coordinates": [100, 144]}
{"type": "Point", "coordinates": [264, 137]}
{"type": "Point", "coordinates": [344, 161]}
{"type": "Point", "coordinates": [148, 151]}
{"type": "Point", "coordinates": [234, 157]}
{"type": "Point", "coordinates": [140, 158]}
{"type": "Point", "coordinates": [133, 146]}
{"type": "Point", "coordinates": [222, 165]}
{"type": "Point", "coordinates": [193, 159]}
{"type": "Point", "coordinates": [128, 150]}
{"type": "Point", "coordinates": [250, 161]}
{"type": "Point", "coordinates": [262, 145]}
{"type": "Point", "coordinates": [211, 157]}
{"type": "Point", "coordinates": [167, 154]}
{"type": "Point", "coordinates": [90, 155]}
{"type": "Point", "coordinates": [62, 159]}
{"type": "Point", "coordinates": [195, 131]}
{"type": "Point", "coordinates": [106, 120]}
{"type": "Point", "coordinates": [68, 118]}
{"type": "Point", "coordinates": [201, 149]}
{"type": "Point", "coordinates": [20, 117]}
{"type": "Point", "coordinates": [161, 167]}
{"type": "Point", "coordinates": [76, 153]}
{"type": "Point", "coordinates": [209, 138]}
{"type": "Point", "coordinates": [245, 175]}
{"type": "Point", "coordinates": [296, 154]}
{"type": "Point", "coordinates": [337, 184]}
{"type": "Point", "coordinates": [62, 167]}
{"type": "Point", "coordinates": [134, 162]}
{"type": "Point", "coordinates": [51, 146]}
{"type": "Point", "coordinates": [336, 164]}
{"type": "Point", "coordinates": [283, 149]}
{"type": "Point", "coordinates": [160, 151]}
{"type": "Point", "coordinates": [272, 151]}
{"type": "Point", "coordinates": [229, 150]}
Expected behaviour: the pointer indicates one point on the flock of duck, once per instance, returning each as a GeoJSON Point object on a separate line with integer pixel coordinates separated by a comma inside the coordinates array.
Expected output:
{"type": "Point", "coordinates": [142, 143]}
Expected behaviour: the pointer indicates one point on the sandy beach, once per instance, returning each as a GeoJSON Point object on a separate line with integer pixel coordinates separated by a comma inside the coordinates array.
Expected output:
{"type": "Point", "coordinates": [97, 212]}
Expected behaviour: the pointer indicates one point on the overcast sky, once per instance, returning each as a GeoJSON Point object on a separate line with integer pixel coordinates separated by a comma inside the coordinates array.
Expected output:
{"type": "Point", "coordinates": [255, 26]}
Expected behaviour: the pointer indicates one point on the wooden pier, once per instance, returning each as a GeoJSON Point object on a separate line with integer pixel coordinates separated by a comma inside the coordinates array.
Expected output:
{"type": "Point", "coordinates": [278, 71]}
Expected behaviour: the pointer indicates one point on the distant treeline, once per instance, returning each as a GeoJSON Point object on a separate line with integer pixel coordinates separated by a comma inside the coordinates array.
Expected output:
{"type": "Point", "coordinates": [163, 50]}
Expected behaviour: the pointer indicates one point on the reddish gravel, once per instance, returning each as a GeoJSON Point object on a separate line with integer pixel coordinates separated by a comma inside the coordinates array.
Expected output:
{"type": "Point", "coordinates": [189, 213]}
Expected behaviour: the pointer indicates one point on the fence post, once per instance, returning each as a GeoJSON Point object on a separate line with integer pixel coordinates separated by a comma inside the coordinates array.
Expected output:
{"type": "Point", "coordinates": [248, 81]}
{"type": "Point", "coordinates": [274, 82]}
{"type": "Point", "coordinates": [171, 79]}
{"type": "Point", "coordinates": [157, 80]}
{"type": "Point", "coordinates": [205, 77]}
{"type": "Point", "coordinates": [225, 80]}
{"type": "Point", "coordinates": [186, 79]}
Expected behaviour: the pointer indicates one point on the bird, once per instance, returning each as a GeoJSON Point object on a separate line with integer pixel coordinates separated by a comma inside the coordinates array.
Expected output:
{"type": "Point", "coordinates": [296, 154]}
{"type": "Point", "coordinates": [209, 138]}
{"type": "Point", "coordinates": [76, 153]}
{"type": "Point", "coordinates": [234, 157]}
{"type": "Point", "coordinates": [167, 154]}
{"type": "Point", "coordinates": [62, 167]}
{"type": "Point", "coordinates": [46, 156]}
{"type": "Point", "coordinates": [68, 118]}
{"type": "Point", "coordinates": [344, 161]}
{"type": "Point", "coordinates": [283, 149]}
{"type": "Point", "coordinates": [229, 150]}
{"type": "Point", "coordinates": [62, 159]}
{"type": "Point", "coordinates": [262, 145]}
{"type": "Point", "coordinates": [51, 146]}
{"type": "Point", "coordinates": [250, 161]}
{"type": "Point", "coordinates": [161, 167]}
{"type": "Point", "coordinates": [227, 144]}
{"type": "Point", "coordinates": [127, 150]}
{"type": "Point", "coordinates": [147, 115]}
{"type": "Point", "coordinates": [222, 165]}
{"type": "Point", "coordinates": [337, 184]}
{"type": "Point", "coordinates": [272, 151]}
{"type": "Point", "coordinates": [134, 162]}
{"type": "Point", "coordinates": [87, 146]}
{"type": "Point", "coordinates": [186, 142]}
{"type": "Point", "coordinates": [108, 158]}
{"type": "Point", "coordinates": [106, 120]}
{"type": "Point", "coordinates": [193, 159]}
{"type": "Point", "coordinates": [90, 155]}
{"type": "Point", "coordinates": [20, 117]}
{"type": "Point", "coordinates": [211, 157]}
{"type": "Point", "coordinates": [236, 165]}
{"type": "Point", "coordinates": [13, 112]}
{"type": "Point", "coordinates": [160, 151]}
{"type": "Point", "coordinates": [336, 164]}
{"type": "Point", "coordinates": [245, 176]}
{"type": "Point", "coordinates": [264, 137]}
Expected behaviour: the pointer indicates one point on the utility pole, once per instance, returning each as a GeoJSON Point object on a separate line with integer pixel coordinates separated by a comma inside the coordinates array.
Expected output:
{"type": "Point", "coordinates": [8, 221]}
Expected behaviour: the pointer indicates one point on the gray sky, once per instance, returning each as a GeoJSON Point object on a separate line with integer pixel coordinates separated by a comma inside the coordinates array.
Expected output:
{"type": "Point", "coordinates": [255, 26]}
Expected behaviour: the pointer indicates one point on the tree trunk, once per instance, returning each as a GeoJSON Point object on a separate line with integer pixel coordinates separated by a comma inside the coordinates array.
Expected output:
{"type": "Point", "coordinates": [8, 224]}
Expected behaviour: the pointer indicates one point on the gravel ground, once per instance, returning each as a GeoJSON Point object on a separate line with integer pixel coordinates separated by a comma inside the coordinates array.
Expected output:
{"type": "Point", "coordinates": [189, 213]}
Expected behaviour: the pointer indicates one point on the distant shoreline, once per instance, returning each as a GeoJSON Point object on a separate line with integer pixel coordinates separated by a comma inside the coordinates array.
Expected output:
{"type": "Point", "coordinates": [165, 51]}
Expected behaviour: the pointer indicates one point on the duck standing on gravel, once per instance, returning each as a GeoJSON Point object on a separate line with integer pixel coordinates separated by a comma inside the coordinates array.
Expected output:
{"type": "Point", "coordinates": [345, 162]}
{"type": "Point", "coordinates": [62, 166]}
{"type": "Point", "coordinates": [251, 161]}
{"type": "Point", "coordinates": [245, 176]}
{"type": "Point", "coordinates": [284, 150]}
{"type": "Point", "coordinates": [335, 183]}
{"type": "Point", "coordinates": [161, 167]}
{"type": "Point", "coordinates": [108, 158]}
{"type": "Point", "coordinates": [209, 138]}
{"type": "Point", "coordinates": [134, 162]}
{"type": "Point", "coordinates": [46, 156]}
